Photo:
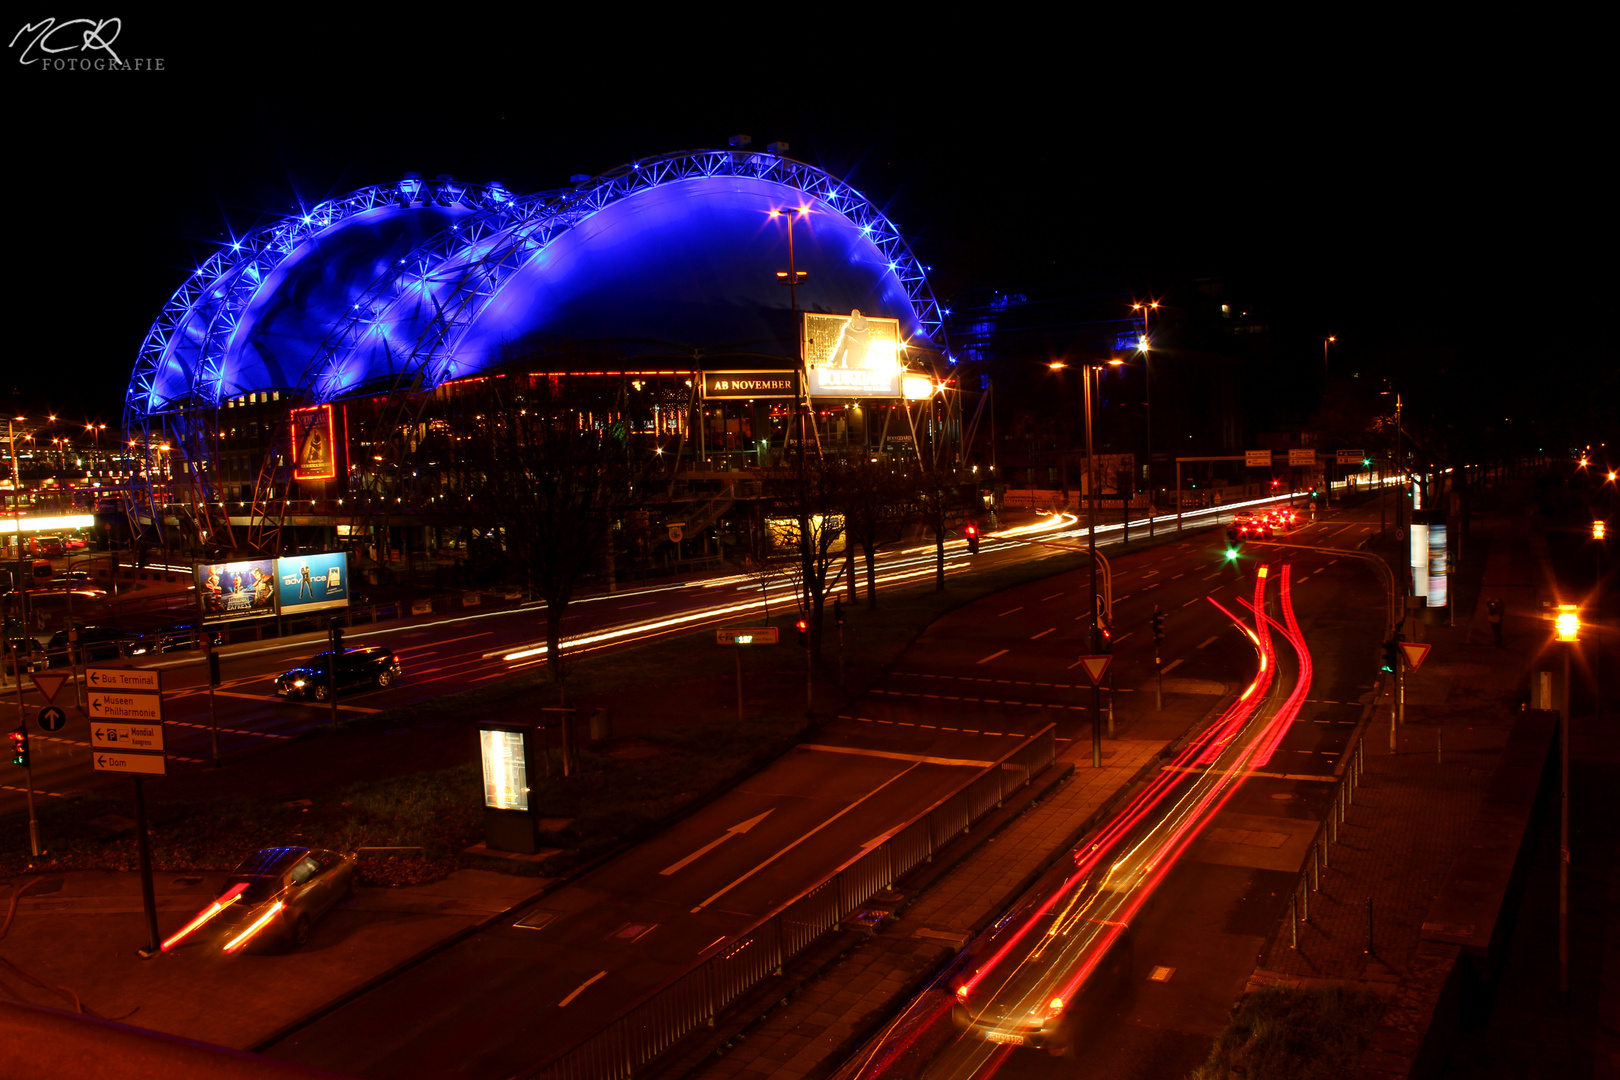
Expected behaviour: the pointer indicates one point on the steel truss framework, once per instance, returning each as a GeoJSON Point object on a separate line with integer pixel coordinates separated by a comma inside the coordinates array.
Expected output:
{"type": "Point", "coordinates": [456, 274]}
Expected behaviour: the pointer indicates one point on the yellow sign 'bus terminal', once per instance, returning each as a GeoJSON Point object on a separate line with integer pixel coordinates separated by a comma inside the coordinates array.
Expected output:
{"type": "Point", "coordinates": [139, 680]}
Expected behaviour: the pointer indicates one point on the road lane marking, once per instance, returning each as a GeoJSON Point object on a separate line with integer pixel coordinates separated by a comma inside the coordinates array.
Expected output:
{"type": "Point", "coordinates": [992, 656]}
{"type": "Point", "coordinates": [1171, 666]}
{"type": "Point", "coordinates": [1211, 641]}
{"type": "Point", "coordinates": [735, 830]}
{"type": "Point", "coordinates": [1122, 599]}
{"type": "Point", "coordinates": [37, 791]}
{"type": "Point", "coordinates": [1193, 601]}
{"type": "Point", "coordinates": [1122, 637]}
{"type": "Point", "coordinates": [1020, 607]}
{"type": "Point", "coordinates": [627, 607]}
{"type": "Point", "coordinates": [311, 703]}
{"type": "Point", "coordinates": [896, 755]}
{"type": "Point", "coordinates": [580, 989]}
{"type": "Point", "coordinates": [1054, 596]}
{"type": "Point", "coordinates": [904, 772]}
{"type": "Point", "coordinates": [1042, 634]}
{"type": "Point", "coordinates": [1180, 575]}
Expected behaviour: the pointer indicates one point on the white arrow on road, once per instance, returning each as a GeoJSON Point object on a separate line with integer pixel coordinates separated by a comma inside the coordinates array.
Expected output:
{"type": "Point", "coordinates": [712, 844]}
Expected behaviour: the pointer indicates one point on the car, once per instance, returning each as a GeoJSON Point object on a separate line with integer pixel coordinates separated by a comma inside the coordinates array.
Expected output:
{"type": "Point", "coordinates": [50, 547]}
{"type": "Point", "coordinates": [21, 646]}
{"type": "Point", "coordinates": [75, 543]}
{"type": "Point", "coordinates": [1246, 526]}
{"type": "Point", "coordinates": [372, 665]}
{"type": "Point", "coordinates": [180, 636]}
{"type": "Point", "coordinates": [100, 643]}
{"type": "Point", "coordinates": [274, 895]}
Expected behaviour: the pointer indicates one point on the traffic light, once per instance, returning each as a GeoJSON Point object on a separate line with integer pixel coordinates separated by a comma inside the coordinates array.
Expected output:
{"type": "Point", "coordinates": [838, 610]}
{"type": "Point", "coordinates": [1158, 625]}
{"type": "Point", "coordinates": [1231, 553]}
{"type": "Point", "coordinates": [19, 747]}
{"type": "Point", "coordinates": [972, 538]}
{"type": "Point", "coordinates": [803, 627]}
{"type": "Point", "coordinates": [1392, 652]}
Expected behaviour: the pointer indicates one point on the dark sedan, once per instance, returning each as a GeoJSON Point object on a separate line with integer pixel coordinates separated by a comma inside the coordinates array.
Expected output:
{"type": "Point", "coordinates": [356, 669]}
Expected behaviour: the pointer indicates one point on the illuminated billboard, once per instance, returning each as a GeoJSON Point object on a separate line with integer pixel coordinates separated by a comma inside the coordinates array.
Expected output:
{"type": "Point", "coordinates": [236, 590]}
{"type": "Point", "coordinates": [313, 582]}
{"type": "Point", "coordinates": [506, 772]}
{"type": "Point", "coordinates": [852, 356]}
{"type": "Point", "coordinates": [749, 385]}
{"type": "Point", "coordinates": [314, 448]}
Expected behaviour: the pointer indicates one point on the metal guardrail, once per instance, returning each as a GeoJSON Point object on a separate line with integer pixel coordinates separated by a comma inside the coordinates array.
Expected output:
{"type": "Point", "coordinates": [695, 997]}
{"type": "Point", "coordinates": [1327, 834]}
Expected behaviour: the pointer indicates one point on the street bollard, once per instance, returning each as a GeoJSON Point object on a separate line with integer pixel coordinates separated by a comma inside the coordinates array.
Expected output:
{"type": "Point", "coordinates": [1325, 845]}
{"type": "Point", "coordinates": [1316, 868]}
{"type": "Point", "coordinates": [1304, 901]}
{"type": "Point", "coordinates": [1293, 922]}
{"type": "Point", "coordinates": [1368, 950]}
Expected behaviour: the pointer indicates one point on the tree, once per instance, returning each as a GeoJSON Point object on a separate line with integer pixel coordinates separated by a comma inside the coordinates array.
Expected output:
{"type": "Point", "coordinates": [876, 501]}
{"type": "Point", "coordinates": [546, 462]}
{"type": "Point", "coordinates": [807, 492]}
{"type": "Point", "coordinates": [938, 502]}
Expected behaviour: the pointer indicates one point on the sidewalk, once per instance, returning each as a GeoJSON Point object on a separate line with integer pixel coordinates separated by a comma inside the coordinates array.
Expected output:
{"type": "Point", "coordinates": [813, 1031]}
{"type": "Point", "coordinates": [77, 934]}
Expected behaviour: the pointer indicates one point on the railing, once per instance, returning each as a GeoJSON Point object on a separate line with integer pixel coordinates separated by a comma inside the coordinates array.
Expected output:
{"type": "Point", "coordinates": [1327, 834]}
{"type": "Point", "coordinates": [694, 998]}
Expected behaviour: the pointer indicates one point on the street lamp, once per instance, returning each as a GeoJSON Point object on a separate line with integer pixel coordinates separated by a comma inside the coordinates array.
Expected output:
{"type": "Point", "coordinates": [1329, 340]}
{"type": "Point", "coordinates": [1147, 380]}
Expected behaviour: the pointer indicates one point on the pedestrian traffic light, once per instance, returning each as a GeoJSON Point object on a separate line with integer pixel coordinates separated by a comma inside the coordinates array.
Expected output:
{"type": "Point", "coordinates": [1158, 625]}
{"type": "Point", "coordinates": [973, 538]}
{"type": "Point", "coordinates": [19, 747]}
{"type": "Point", "coordinates": [1392, 652]}
{"type": "Point", "coordinates": [838, 610]}
{"type": "Point", "coordinates": [803, 627]}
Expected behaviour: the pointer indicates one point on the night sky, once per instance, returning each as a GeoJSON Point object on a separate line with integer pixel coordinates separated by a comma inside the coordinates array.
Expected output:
{"type": "Point", "coordinates": [1449, 207]}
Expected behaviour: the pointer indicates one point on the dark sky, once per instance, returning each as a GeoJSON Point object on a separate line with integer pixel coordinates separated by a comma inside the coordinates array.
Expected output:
{"type": "Point", "coordinates": [1443, 203]}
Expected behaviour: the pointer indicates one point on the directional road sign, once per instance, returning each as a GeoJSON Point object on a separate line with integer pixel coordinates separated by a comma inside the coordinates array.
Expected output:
{"type": "Point", "coordinates": [1302, 457]}
{"type": "Point", "coordinates": [746, 635]}
{"type": "Point", "coordinates": [127, 736]}
{"type": "Point", "coordinates": [1258, 459]}
{"type": "Point", "coordinates": [1095, 667]}
{"type": "Point", "coordinates": [49, 683]}
{"type": "Point", "coordinates": [51, 718]}
{"type": "Point", "coordinates": [112, 678]}
{"type": "Point", "coordinates": [105, 705]}
{"type": "Point", "coordinates": [1351, 457]}
{"type": "Point", "coordinates": [117, 761]}
{"type": "Point", "coordinates": [1415, 653]}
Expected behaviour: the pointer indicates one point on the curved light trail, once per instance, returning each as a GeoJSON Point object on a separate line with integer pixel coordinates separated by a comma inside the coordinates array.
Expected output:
{"type": "Point", "coordinates": [1030, 980]}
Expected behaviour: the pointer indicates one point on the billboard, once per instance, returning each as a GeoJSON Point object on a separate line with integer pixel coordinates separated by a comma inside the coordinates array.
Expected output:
{"type": "Point", "coordinates": [236, 590]}
{"type": "Point", "coordinates": [312, 582]}
{"type": "Point", "coordinates": [749, 385]}
{"type": "Point", "coordinates": [852, 356]}
{"type": "Point", "coordinates": [314, 448]}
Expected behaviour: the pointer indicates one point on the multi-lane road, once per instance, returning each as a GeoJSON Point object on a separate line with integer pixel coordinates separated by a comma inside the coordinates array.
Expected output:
{"type": "Point", "coordinates": [973, 686]}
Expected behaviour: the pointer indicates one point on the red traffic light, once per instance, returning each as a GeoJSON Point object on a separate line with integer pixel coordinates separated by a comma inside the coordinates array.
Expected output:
{"type": "Point", "coordinates": [973, 530]}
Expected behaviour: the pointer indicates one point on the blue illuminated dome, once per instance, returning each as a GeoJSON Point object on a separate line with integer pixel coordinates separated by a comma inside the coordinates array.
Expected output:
{"type": "Point", "coordinates": [414, 283]}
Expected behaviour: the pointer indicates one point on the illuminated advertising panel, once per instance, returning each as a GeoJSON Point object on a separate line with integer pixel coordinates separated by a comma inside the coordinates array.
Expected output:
{"type": "Point", "coordinates": [314, 449]}
{"type": "Point", "coordinates": [313, 582]}
{"type": "Point", "coordinates": [749, 385]}
{"type": "Point", "coordinates": [236, 590]}
{"type": "Point", "coordinates": [506, 773]}
{"type": "Point", "coordinates": [852, 356]}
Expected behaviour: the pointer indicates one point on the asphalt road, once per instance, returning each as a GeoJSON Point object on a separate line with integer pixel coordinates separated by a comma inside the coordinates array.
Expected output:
{"type": "Point", "coordinates": [970, 689]}
{"type": "Point", "coordinates": [1197, 940]}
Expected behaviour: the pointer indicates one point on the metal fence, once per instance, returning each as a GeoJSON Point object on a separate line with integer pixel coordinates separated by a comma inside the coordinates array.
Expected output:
{"type": "Point", "coordinates": [694, 998]}
{"type": "Point", "coordinates": [1327, 834]}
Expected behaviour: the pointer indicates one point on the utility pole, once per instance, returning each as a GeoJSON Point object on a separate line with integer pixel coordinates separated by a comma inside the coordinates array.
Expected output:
{"type": "Point", "coordinates": [1091, 529]}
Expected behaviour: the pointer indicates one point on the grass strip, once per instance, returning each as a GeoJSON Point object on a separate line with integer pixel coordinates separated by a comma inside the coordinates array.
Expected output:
{"type": "Point", "coordinates": [1284, 1033]}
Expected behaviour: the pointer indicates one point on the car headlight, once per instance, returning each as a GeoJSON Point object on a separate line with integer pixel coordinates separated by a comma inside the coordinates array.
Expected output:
{"type": "Point", "coordinates": [298, 682]}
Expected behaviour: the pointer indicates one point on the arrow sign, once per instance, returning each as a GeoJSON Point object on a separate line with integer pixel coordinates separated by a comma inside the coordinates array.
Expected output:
{"type": "Point", "coordinates": [52, 718]}
{"type": "Point", "coordinates": [112, 706]}
{"type": "Point", "coordinates": [127, 736]}
{"type": "Point", "coordinates": [1095, 666]}
{"type": "Point", "coordinates": [712, 844]}
{"type": "Point", "coordinates": [133, 763]}
{"type": "Point", "coordinates": [1415, 653]}
{"type": "Point", "coordinates": [113, 678]}
{"type": "Point", "coordinates": [48, 683]}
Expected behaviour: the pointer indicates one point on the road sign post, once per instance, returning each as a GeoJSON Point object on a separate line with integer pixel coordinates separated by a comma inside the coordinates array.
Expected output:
{"type": "Point", "coordinates": [144, 848]}
{"type": "Point", "coordinates": [213, 681]}
{"type": "Point", "coordinates": [1096, 667]}
{"type": "Point", "coordinates": [737, 637]}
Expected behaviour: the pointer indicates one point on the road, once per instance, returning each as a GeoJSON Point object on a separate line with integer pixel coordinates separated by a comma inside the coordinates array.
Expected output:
{"type": "Point", "coordinates": [972, 687]}
{"type": "Point", "coordinates": [1165, 991]}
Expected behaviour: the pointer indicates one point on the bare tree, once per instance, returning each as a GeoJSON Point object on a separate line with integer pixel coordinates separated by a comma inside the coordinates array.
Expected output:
{"type": "Point", "coordinates": [807, 493]}
{"type": "Point", "coordinates": [938, 502]}
{"type": "Point", "coordinates": [546, 461]}
{"type": "Point", "coordinates": [876, 500]}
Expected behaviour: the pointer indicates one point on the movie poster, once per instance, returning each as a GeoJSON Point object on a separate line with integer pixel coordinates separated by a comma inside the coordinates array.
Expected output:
{"type": "Point", "coordinates": [236, 590]}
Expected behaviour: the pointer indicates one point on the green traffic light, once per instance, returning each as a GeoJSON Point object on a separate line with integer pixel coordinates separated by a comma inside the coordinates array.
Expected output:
{"type": "Point", "coordinates": [1231, 553]}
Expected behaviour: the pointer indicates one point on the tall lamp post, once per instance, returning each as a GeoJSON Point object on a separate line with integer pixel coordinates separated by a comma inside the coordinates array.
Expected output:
{"type": "Point", "coordinates": [1147, 379]}
{"type": "Point", "coordinates": [1090, 371]}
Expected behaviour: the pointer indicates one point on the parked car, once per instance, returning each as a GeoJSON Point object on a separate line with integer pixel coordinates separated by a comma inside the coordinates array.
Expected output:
{"type": "Point", "coordinates": [274, 896]}
{"type": "Point", "coordinates": [177, 637]}
{"type": "Point", "coordinates": [75, 543]}
{"type": "Point", "coordinates": [100, 643]}
{"type": "Point", "coordinates": [356, 668]}
{"type": "Point", "coordinates": [50, 547]}
{"type": "Point", "coordinates": [22, 648]}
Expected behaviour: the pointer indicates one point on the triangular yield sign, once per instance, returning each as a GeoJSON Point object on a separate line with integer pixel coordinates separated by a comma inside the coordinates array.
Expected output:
{"type": "Point", "coordinates": [48, 683]}
{"type": "Point", "coordinates": [1095, 666]}
{"type": "Point", "coordinates": [1415, 653]}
